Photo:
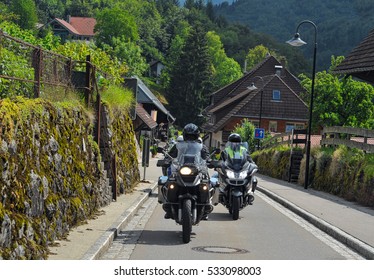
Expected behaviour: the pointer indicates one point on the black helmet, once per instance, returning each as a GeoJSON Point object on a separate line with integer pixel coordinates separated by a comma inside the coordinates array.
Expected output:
{"type": "Point", "coordinates": [191, 132]}
{"type": "Point", "coordinates": [234, 137]}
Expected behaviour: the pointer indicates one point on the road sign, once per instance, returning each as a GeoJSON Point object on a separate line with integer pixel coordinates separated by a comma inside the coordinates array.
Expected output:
{"type": "Point", "coordinates": [259, 133]}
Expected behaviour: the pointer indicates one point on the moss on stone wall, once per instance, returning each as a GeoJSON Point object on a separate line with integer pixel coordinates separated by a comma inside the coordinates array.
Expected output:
{"type": "Point", "coordinates": [51, 176]}
{"type": "Point", "coordinates": [125, 149]}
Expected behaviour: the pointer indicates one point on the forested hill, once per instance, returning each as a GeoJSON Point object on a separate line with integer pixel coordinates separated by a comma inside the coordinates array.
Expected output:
{"type": "Point", "coordinates": [214, 2]}
{"type": "Point", "coordinates": [341, 24]}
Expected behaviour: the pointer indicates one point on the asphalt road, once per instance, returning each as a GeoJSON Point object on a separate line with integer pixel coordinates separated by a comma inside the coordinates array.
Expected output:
{"type": "Point", "coordinates": [264, 231]}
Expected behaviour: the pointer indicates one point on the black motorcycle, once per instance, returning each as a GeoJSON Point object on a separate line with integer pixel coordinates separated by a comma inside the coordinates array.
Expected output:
{"type": "Point", "coordinates": [236, 180]}
{"type": "Point", "coordinates": [185, 194]}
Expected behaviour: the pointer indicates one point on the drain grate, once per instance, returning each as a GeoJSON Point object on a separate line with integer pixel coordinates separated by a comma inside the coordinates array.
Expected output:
{"type": "Point", "coordinates": [219, 250]}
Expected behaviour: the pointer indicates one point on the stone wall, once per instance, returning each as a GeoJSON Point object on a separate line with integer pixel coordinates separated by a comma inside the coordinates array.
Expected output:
{"type": "Point", "coordinates": [52, 174]}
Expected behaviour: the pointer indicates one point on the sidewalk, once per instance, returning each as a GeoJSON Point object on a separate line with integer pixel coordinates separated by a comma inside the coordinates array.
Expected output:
{"type": "Point", "coordinates": [90, 240]}
{"type": "Point", "coordinates": [351, 224]}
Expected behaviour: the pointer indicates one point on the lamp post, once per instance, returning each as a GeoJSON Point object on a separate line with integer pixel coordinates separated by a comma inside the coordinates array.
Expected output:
{"type": "Point", "coordinates": [253, 87]}
{"type": "Point", "coordinates": [297, 42]}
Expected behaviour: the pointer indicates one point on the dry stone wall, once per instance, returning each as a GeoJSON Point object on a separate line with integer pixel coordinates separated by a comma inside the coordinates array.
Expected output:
{"type": "Point", "coordinates": [51, 172]}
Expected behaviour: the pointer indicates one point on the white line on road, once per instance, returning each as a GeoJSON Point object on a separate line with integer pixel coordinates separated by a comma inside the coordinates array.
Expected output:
{"type": "Point", "coordinates": [339, 247]}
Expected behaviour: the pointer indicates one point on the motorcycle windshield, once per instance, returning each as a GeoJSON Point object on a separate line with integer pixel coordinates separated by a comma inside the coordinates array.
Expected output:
{"type": "Point", "coordinates": [236, 155]}
{"type": "Point", "coordinates": [189, 153]}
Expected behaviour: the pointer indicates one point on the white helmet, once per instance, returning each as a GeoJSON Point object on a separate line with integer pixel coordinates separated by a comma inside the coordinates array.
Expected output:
{"type": "Point", "coordinates": [199, 140]}
{"type": "Point", "coordinates": [180, 138]}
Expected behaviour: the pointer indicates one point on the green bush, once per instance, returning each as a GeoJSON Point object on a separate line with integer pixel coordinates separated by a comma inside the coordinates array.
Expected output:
{"type": "Point", "coordinates": [348, 173]}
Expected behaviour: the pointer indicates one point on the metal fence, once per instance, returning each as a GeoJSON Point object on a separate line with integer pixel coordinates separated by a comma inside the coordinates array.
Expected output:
{"type": "Point", "coordinates": [29, 70]}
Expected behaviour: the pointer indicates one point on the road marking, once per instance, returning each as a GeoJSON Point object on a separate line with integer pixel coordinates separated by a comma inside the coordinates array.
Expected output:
{"type": "Point", "coordinates": [339, 247]}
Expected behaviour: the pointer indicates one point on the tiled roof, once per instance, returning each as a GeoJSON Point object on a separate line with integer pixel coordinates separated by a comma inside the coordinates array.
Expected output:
{"type": "Point", "coordinates": [83, 26]}
{"type": "Point", "coordinates": [67, 26]}
{"type": "Point", "coordinates": [145, 95]}
{"type": "Point", "coordinates": [236, 100]}
{"type": "Point", "coordinates": [360, 59]}
{"type": "Point", "coordinates": [145, 117]}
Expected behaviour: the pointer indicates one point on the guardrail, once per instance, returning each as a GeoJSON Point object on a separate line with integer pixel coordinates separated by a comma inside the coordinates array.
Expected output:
{"type": "Point", "coordinates": [358, 138]}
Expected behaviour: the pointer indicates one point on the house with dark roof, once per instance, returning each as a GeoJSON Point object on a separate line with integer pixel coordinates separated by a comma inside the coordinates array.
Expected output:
{"type": "Point", "coordinates": [74, 28]}
{"type": "Point", "coordinates": [360, 61]}
{"type": "Point", "coordinates": [151, 114]}
{"type": "Point", "coordinates": [269, 94]}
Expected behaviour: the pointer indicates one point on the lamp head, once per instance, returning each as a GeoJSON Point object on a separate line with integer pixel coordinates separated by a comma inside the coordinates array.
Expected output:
{"type": "Point", "coordinates": [296, 41]}
{"type": "Point", "coordinates": [252, 87]}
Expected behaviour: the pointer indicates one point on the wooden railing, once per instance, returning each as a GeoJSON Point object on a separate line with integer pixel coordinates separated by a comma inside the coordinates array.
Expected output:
{"type": "Point", "coordinates": [287, 138]}
{"type": "Point", "coordinates": [359, 138]}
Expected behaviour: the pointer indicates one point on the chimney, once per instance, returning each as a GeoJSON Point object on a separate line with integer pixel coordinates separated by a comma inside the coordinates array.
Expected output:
{"type": "Point", "coordinates": [68, 19]}
{"type": "Point", "coordinates": [278, 70]}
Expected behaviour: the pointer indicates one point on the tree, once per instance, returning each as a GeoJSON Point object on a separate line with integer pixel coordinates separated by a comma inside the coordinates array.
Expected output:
{"type": "Point", "coordinates": [190, 80]}
{"type": "Point", "coordinates": [246, 130]}
{"type": "Point", "coordinates": [26, 12]}
{"type": "Point", "coordinates": [115, 23]}
{"type": "Point", "coordinates": [225, 69]}
{"type": "Point", "coordinates": [341, 101]}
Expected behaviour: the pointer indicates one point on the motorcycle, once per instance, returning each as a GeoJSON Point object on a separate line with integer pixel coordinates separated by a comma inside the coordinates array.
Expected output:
{"type": "Point", "coordinates": [185, 195]}
{"type": "Point", "coordinates": [236, 180]}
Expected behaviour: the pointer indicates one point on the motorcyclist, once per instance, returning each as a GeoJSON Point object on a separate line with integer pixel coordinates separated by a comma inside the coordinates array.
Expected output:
{"type": "Point", "coordinates": [235, 141]}
{"type": "Point", "coordinates": [191, 133]}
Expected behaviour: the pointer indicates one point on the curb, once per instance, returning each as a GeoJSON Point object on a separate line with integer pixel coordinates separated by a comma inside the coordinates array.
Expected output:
{"type": "Point", "coordinates": [104, 242]}
{"type": "Point", "coordinates": [360, 247]}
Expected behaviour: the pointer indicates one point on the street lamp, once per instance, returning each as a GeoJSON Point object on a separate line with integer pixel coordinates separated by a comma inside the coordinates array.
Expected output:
{"type": "Point", "coordinates": [253, 87]}
{"type": "Point", "coordinates": [297, 42]}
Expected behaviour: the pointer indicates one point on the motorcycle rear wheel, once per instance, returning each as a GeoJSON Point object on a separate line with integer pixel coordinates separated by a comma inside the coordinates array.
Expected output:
{"type": "Point", "coordinates": [235, 207]}
{"type": "Point", "coordinates": [186, 220]}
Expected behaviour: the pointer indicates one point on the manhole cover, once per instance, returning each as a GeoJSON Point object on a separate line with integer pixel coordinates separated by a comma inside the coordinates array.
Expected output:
{"type": "Point", "coordinates": [220, 250]}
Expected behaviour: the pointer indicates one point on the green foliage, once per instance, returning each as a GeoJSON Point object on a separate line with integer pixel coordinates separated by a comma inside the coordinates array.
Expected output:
{"type": "Point", "coordinates": [247, 131]}
{"type": "Point", "coordinates": [118, 97]}
{"type": "Point", "coordinates": [105, 64]}
{"type": "Point", "coordinates": [15, 66]}
{"type": "Point", "coordinates": [225, 69]}
{"type": "Point", "coordinates": [345, 172]}
{"type": "Point", "coordinates": [190, 80]}
{"type": "Point", "coordinates": [115, 23]}
{"type": "Point", "coordinates": [47, 42]}
{"type": "Point", "coordinates": [336, 35]}
{"type": "Point", "coordinates": [26, 12]}
{"type": "Point", "coordinates": [341, 101]}
{"type": "Point", "coordinates": [256, 55]}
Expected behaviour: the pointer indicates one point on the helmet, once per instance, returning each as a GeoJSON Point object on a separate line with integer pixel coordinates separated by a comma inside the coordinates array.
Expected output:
{"type": "Point", "coordinates": [180, 138]}
{"type": "Point", "coordinates": [191, 132]}
{"type": "Point", "coordinates": [234, 137]}
{"type": "Point", "coordinates": [200, 140]}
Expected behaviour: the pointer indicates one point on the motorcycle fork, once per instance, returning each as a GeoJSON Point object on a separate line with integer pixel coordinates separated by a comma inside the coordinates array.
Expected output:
{"type": "Point", "coordinates": [193, 210]}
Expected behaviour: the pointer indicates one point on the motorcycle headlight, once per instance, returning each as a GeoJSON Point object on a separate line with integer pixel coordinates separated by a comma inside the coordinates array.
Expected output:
{"type": "Point", "coordinates": [243, 175]}
{"type": "Point", "coordinates": [186, 171]}
{"type": "Point", "coordinates": [230, 174]}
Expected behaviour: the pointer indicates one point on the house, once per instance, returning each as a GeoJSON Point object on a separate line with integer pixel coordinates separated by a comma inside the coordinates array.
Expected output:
{"type": "Point", "coordinates": [155, 68]}
{"type": "Point", "coordinates": [269, 94]}
{"type": "Point", "coordinates": [151, 114]}
{"type": "Point", "coordinates": [74, 28]}
{"type": "Point", "coordinates": [360, 61]}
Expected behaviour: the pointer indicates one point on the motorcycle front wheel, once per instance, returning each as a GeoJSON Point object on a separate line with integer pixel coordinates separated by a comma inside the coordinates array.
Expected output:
{"type": "Point", "coordinates": [235, 207]}
{"type": "Point", "coordinates": [186, 220]}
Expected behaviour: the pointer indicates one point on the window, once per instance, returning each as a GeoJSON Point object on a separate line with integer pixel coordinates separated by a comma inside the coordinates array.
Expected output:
{"type": "Point", "coordinates": [273, 126]}
{"type": "Point", "coordinates": [276, 95]}
{"type": "Point", "coordinates": [255, 123]}
{"type": "Point", "coordinates": [290, 126]}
